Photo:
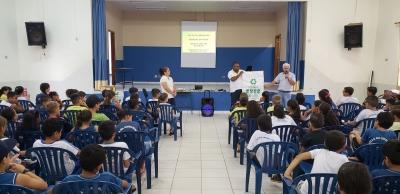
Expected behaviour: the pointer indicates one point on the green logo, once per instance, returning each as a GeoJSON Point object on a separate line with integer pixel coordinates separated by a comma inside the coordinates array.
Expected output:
{"type": "Point", "coordinates": [253, 81]}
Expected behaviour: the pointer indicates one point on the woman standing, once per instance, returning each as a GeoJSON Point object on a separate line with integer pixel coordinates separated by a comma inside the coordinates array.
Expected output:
{"type": "Point", "coordinates": [167, 85]}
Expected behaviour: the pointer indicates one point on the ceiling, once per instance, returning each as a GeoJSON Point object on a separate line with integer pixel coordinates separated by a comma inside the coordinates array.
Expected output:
{"type": "Point", "coordinates": [199, 6]}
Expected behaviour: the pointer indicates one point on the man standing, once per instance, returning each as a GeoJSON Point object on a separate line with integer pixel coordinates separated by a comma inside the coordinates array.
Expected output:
{"type": "Point", "coordinates": [236, 82]}
{"type": "Point", "coordinates": [286, 80]}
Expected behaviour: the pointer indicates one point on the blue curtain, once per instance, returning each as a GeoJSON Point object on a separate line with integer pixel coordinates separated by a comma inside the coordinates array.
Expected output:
{"type": "Point", "coordinates": [99, 43]}
{"type": "Point", "coordinates": [293, 38]}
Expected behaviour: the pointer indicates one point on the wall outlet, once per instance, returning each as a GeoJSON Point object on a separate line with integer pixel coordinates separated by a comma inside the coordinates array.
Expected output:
{"type": "Point", "coordinates": [223, 76]}
{"type": "Point", "coordinates": [155, 76]}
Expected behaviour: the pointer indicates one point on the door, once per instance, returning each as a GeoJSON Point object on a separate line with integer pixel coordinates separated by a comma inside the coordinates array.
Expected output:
{"type": "Point", "coordinates": [111, 57]}
{"type": "Point", "coordinates": [277, 54]}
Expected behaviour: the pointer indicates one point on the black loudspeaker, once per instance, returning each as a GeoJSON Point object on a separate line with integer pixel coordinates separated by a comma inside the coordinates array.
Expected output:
{"type": "Point", "coordinates": [36, 34]}
{"type": "Point", "coordinates": [353, 35]}
{"type": "Point", "coordinates": [207, 105]}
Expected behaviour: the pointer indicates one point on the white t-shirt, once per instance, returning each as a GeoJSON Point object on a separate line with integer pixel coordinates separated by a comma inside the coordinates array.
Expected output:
{"type": "Point", "coordinates": [22, 98]}
{"type": "Point", "coordinates": [152, 100]}
{"type": "Point", "coordinates": [365, 114]}
{"type": "Point", "coordinates": [5, 103]}
{"type": "Point", "coordinates": [237, 84]}
{"type": "Point", "coordinates": [346, 99]}
{"type": "Point", "coordinates": [128, 98]}
{"type": "Point", "coordinates": [288, 120]}
{"type": "Point", "coordinates": [261, 137]}
{"type": "Point", "coordinates": [69, 164]}
{"type": "Point", "coordinates": [170, 84]}
{"type": "Point", "coordinates": [302, 107]}
{"type": "Point", "coordinates": [126, 155]}
{"type": "Point", "coordinates": [325, 161]}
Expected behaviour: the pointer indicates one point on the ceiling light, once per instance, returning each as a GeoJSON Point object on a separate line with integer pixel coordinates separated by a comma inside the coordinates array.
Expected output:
{"type": "Point", "coordinates": [151, 8]}
{"type": "Point", "coordinates": [246, 8]}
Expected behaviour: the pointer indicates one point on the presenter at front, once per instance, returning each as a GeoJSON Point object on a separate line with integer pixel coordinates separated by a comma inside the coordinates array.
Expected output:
{"type": "Point", "coordinates": [236, 82]}
{"type": "Point", "coordinates": [286, 80]}
{"type": "Point", "coordinates": [167, 85]}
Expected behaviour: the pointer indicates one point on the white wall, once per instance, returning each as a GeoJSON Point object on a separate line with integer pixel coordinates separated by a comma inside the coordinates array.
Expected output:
{"type": "Point", "coordinates": [328, 64]}
{"type": "Point", "coordinates": [69, 45]}
{"type": "Point", "coordinates": [9, 59]}
{"type": "Point", "coordinates": [387, 46]}
{"type": "Point", "coordinates": [114, 23]}
{"type": "Point", "coordinates": [281, 28]}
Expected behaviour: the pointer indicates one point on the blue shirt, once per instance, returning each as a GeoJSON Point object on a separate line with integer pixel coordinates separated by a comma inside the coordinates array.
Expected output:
{"type": "Point", "coordinates": [8, 178]}
{"type": "Point", "coordinates": [373, 135]}
{"type": "Point", "coordinates": [384, 172]}
{"type": "Point", "coordinates": [90, 128]}
{"type": "Point", "coordinates": [284, 84]}
{"type": "Point", "coordinates": [127, 126]}
{"type": "Point", "coordinates": [105, 176]}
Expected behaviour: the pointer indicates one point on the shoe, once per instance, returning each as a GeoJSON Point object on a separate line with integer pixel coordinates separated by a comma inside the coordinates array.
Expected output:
{"type": "Point", "coordinates": [276, 178]}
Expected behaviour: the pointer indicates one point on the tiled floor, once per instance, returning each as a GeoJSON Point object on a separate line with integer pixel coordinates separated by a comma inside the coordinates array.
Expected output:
{"type": "Point", "coordinates": [201, 161]}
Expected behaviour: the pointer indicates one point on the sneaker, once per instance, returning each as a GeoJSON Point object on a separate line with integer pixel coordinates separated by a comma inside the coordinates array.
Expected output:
{"type": "Point", "coordinates": [276, 178]}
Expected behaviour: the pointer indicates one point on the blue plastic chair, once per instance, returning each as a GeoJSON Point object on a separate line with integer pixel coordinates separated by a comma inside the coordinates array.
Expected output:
{"type": "Point", "coordinates": [4, 188]}
{"type": "Point", "coordinates": [240, 114]}
{"type": "Point", "coordinates": [271, 165]}
{"type": "Point", "coordinates": [67, 102]}
{"type": "Point", "coordinates": [307, 105]}
{"type": "Point", "coordinates": [366, 124]}
{"type": "Point", "coordinates": [95, 123]}
{"type": "Point", "coordinates": [145, 94]}
{"type": "Point", "coordinates": [108, 108]}
{"type": "Point", "coordinates": [347, 108]}
{"type": "Point", "coordinates": [380, 105]}
{"type": "Point", "coordinates": [250, 127]}
{"type": "Point", "coordinates": [288, 133]}
{"type": "Point", "coordinates": [386, 185]}
{"type": "Point", "coordinates": [141, 106]}
{"type": "Point", "coordinates": [152, 105]}
{"type": "Point", "coordinates": [110, 115]}
{"type": "Point", "coordinates": [49, 158]}
{"type": "Point", "coordinates": [372, 155]}
{"type": "Point", "coordinates": [28, 138]}
{"type": "Point", "coordinates": [135, 142]}
{"type": "Point", "coordinates": [344, 129]}
{"type": "Point", "coordinates": [145, 127]}
{"type": "Point", "coordinates": [82, 138]}
{"type": "Point", "coordinates": [264, 106]}
{"type": "Point", "coordinates": [138, 115]}
{"type": "Point", "coordinates": [166, 116]}
{"type": "Point", "coordinates": [43, 115]}
{"type": "Point", "coordinates": [89, 187]}
{"type": "Point", "coordinates": [11, 129]}
{"type": "Point", "coordinates": [26, 104]}
{"type": "Point", "coordinates": [2, 107]}
{"type": "Point", "coordinates": [317, 181]}
{"type": "Point", "coordinates": [301, 123]}
{"type": "Point", "coordinates": [70, 115]}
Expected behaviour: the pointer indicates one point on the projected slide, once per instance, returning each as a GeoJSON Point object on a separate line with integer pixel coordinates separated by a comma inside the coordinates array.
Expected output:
{"type": "Point", "coordinates": [198, 44]}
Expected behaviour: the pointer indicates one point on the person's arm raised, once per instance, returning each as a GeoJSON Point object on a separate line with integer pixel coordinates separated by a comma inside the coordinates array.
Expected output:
{"type": "Point", "coordinates": [270, 84]}
{"type": "Point", "coordinates": [234, 78]}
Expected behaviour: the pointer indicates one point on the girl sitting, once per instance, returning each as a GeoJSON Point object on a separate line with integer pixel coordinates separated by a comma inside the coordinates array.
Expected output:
{"type": "Point", "coordinates": [294, 109]}
{"type": "Point", "coordinates": [330, 118]}
{"type": "Point", "coordinates": [110, 99]}
{"type": "Point", "coordinates": [30, 121]}
{"type": "Point", "coordinates": [83, 121]}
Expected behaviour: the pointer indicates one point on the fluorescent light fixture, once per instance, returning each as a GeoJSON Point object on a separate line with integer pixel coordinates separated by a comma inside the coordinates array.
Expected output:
{"type": "Point", "coordinates": [151, 8]}
{"type": "Point", "coordinates": [246, 8]}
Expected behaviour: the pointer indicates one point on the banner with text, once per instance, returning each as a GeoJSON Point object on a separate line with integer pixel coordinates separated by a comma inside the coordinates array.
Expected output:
{"type": "Point", "coordinates": [253, 84]}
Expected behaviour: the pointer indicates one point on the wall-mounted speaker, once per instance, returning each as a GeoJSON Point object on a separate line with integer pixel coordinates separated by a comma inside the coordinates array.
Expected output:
{"type": "Point", "coordinates": [353, 35]}
{"type": "Point", "coordinates": [36, 34]}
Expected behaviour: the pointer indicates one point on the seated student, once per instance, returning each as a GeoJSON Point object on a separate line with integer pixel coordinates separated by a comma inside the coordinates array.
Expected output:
{"type": "Point", "coordinates": [369, 112]}
{"type": "Point", "coordinates": [55, 97]}
{"type": "Point", "coordinates": [347, 98]}
{"type": "Point", "coordinates": [44, 88]}
{"type": "Point", "coordinates": [163, 100]}
{"type": "Point", "coordinates": [82, 95]}
{"type": "Point", "coordinates": [76, 103]}
{"type": "Point", "coordinates": [136, 97]}
{"type": "Point", "coordinates": [44, 100]}
{"type": "Point", "coordinates": [294, 109]}
{"type": "Point", "coordinates": [30, 121]}
{"type": "Point", "coordinates": [93, 103]}
{"type": "Point", "coordinates": [111, 100]}
{"type": "Point", "coordinates": [155, 93]}
{"type": "Point", "coordinates": [395, 111]}
{"type": "Point", "coordinates": [316, 135]}
{"type": "Point", "coordinates": [83, 120]}
{"type": "Point", "coordinates": [391, 154]}
{"type": "Point", "coordinates": [301, 100]}
{"type": "Point", "coordinates": [327, 160]}
{"type": "Point", "coordinates": [125, 121]}
{"type": "Point", "coordinates": [378, 134]}
{"type": "Point", "coordinates": [243, 106]}
{"type": "Point", "coordinates": [53, 109]}
{"type": "Point", "coordinates": [3, 92]}
{"type": "Point", "coordinates": [9, 114]}
{"type": "Point", "coordinates": [132, 90]}
{"type": "Point", "coordinates": [280, 118]}
{"type": "Point", "coordinates": [330, 118]}
{"type": "Point", "coordinates": [69, 92]}
{"type": "Point", "coordinates": [276, 100]}
{"type": "Point", "coordinates": [91, 162]}
{"type": "Point", "coordinates": [16, 150]}
{"type": "Point", "coordinates": [262, 135]}
{"type": "Point", "coordinates": [354, 178]}
{"type": "Point", "coordinates": [19, 91]}
{"type": "Point", "coordinates": [334, 106]}
{"type": "Point", "coordinates": [371, 91]}
{"type": "Point", "coordinates": [326, 97]}
{"type": "Point", "coordinates": [52, 129]}
{"type": "Point", "coordinates": [17, 174]}
{"type": "Point", "coordinates": [389, 103]}
{"type": "Point", "coordinates": [315, 108]}
{"type": "Point", "coordinates": [107, 133]}
{"type": "Point", "coordinates": [264, 97]}
{"type": "Point", "coordinates": [12, 102]}
{"type": "Point", "coordinates": [241, 96]}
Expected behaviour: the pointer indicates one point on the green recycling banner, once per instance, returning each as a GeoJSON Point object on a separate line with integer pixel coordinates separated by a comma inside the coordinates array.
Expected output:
{"type": "Point", "coordinates": [253, 84]}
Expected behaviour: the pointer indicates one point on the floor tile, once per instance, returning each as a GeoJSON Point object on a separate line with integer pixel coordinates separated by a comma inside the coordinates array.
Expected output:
{"type": "Point", "coordinates": [216, 183]}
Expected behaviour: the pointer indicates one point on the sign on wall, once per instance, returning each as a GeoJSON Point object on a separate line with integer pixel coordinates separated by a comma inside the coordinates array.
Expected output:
{"type": "Point", "coordinates": [253, 84]}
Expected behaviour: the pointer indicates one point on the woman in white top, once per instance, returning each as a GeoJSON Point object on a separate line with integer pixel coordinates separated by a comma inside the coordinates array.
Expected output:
{"type": "Point", "coordinates": [167, 85]}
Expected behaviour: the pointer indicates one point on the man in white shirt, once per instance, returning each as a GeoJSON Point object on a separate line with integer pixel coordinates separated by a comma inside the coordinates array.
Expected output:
{"type": "Point", "coordinates": [286, 81]}
{"type": "Point", "coordinates": [369, 112]}
{"type": "Point", "coordinates": [347, 98]}
{"type": "Point", "coordinates": [235, 82]}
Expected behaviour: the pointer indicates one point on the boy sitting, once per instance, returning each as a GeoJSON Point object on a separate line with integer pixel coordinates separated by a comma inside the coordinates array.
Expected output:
{"type": "Point", "coordinates": [91, 162]}
{"type": "Point", "coordinates": [52, 129]}
{"type": "Point", "coordinates": [156, 94]}
{"type": "Point", "coordinates": [53, 109]}
{"type": "Point", "coordinates": [16, 174]}
{"type": "Point", "coordinates": [378, 134]}
{"type": "Point", "coordinates": [354, 178]}
{"type": "Point", "coordinates": [395, 111]}
{"type": "Point", "coordinates": [327, 160]}
{"type": "Point", "coordinates": [347, 98]}
{"type": "Point", "coordinates": [316, 135]}
{"type": "Point", "coordinates": [133, 90]}
{"type": "Point", "coordinates": [12, 102]}
{"type": "Point", "coordinates": [93, 103]}
{"type": "Point", "coordinates": [44, 100]}
{"type": "Point", "coordinates": [243, 104]}
{"type": "Point", "coordinates": [76, 101]}
{"type": "Point", "coordinates": [276, 99]}
{"type": "Point", "coordinates": [391, 153]}
{"type": "Point", "coordinates": [369, 112]}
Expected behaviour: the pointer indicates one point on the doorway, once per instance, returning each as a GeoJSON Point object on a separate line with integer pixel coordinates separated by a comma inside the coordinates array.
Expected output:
{"type": "Point", "coordinates": [111, 57]}
{"type": "Point", "coordinates": [277, 59]}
